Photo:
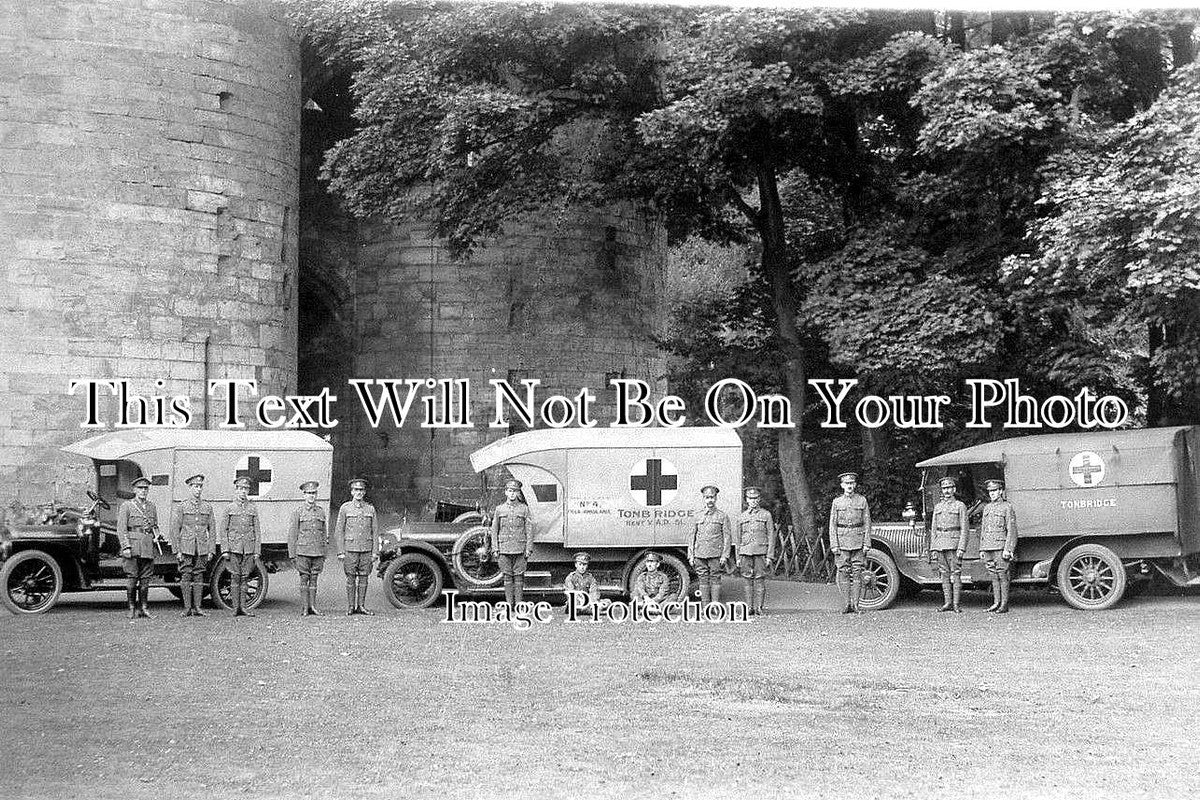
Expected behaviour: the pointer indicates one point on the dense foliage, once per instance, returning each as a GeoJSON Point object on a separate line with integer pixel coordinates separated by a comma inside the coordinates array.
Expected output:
{"type": "Point", "coordinates": [924, 197]}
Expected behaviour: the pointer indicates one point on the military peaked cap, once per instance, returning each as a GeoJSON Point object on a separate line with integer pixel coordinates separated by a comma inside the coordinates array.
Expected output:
{"type": "Point", "coordinates": [584, 557]}
{"type": "Point", "coordinates": [513, 483]}
{"type": "Point", "coordinates": [948, 481]}
{"type": "Point", "coordinates": [710, 489]}
{"type": "Point", "coordinates": [310, 486]}
{"type": "Point", "coordinates": [655, 557]}
{"type": "Point", "coordinates": [753, 491]}
{"type": "Point", "coordinates": [141, 482]}
{"type": "Point", "coordinates": [358, 483]}
{"type": "Point", "coordinates": [195, 479]}
{"type": "Point", "coordinates": [994, 484]}
{"type": "Point", "coordinates": [242, 482]}
{"type": "Point", "coordinates": [844, 475]}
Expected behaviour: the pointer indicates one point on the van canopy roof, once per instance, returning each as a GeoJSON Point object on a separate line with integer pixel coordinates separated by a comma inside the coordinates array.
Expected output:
{"type": "Point", "coordinates": [122, 444]}
{"type": "Point", "coordinates": [511, 448]}
{"type": "Point", "coordinates": [1000, 451]}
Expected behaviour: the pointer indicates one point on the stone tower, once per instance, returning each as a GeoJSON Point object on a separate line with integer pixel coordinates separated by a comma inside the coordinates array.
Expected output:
{"type": "Point", "coordinates": [148, 213]}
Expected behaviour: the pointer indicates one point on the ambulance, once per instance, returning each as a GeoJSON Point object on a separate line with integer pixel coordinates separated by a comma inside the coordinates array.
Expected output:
{"type": "Point", "coordinates": [77, 549]}
{"type": "Point", "coordinates": [1098, 514]}
{"type": "Point", "coordinates": [616, 493]}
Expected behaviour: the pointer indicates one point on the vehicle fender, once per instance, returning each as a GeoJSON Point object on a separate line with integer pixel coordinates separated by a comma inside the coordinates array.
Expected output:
{"type": "Point", "coordinates": [68, 563]}
{"type": "Point", "coordinates": [1127, 548]}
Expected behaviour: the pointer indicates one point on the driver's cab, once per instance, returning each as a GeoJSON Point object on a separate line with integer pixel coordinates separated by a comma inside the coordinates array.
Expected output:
{"type": "Point", "coordinates": [972, 479]}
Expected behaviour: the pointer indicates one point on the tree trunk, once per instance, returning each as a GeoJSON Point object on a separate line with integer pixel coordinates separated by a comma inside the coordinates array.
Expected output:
{"type": "Point", "coordinates": [785, 299]}
{"type": "Point", "coordinates": [875, 456]}
{"type": "Point", "coordinates": [1183, 52]}
{"type": "Point", "coordinates": [958, 30]}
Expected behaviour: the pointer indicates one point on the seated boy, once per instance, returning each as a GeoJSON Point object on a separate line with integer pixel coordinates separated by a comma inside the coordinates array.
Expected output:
{"type": "Point", "coordinates": [582, 584]}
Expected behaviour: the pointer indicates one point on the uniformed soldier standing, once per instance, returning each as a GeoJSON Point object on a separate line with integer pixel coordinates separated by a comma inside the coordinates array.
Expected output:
{"type": "Point", "coordinates": [850, 538]}
{"type": "Point", "coordinates": [652, 586]}
{"type": "Point", "coordinates": [137, 527]}
{"type": "Point", "coordinates": [948, 542]}
{"type": "Point", "coordinates": [582, 583]}
{"type": "Point", "coordinates": [194, 540]}
{"type": "Point", "coordinates": [998, 542]}
{"type": "Point", "coordinates": [708, 550]}
{"type": "Point", "coordinates": [357, 535]}
{"type": "Point", "coordinates": [241, 543]}
{"type": "Point", "coordinates": [308, 540]}
{"type": "Point", "coordinates": [755, 542]}
{"type": "Point", "coordinates": [512, 540]}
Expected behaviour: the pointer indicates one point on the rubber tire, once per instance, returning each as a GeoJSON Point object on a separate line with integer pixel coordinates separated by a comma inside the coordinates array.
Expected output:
{"type": "Point", "coordinates": [220, 573]}
{"type": "Point", "coordinates": [15, 561]}
{"type": "Point", "coordinates": [399, 563]}
{"type": "Point", "coordinates": [883, 566]}
{"type": "Point", "coordinates": [456, 561]}
{"type": "Point", "coordinates": [1100, 556]}
{"type": "Point", "coordinates": [668, 560]}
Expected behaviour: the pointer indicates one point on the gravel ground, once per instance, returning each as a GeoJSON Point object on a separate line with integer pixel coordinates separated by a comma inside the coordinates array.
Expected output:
{"type": "Point", "coordinates": [1043, 702]}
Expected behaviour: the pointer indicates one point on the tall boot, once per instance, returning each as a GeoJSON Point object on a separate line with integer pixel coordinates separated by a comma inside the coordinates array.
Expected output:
{"type": "Point", "coordinates": [351, 596]}
{"type": "Point", "coordinates": [246, 612]}
{"type": "Point", "coordinates": [185, 592]}
{"type": "Point", "coordinates": [312, 597]}
{"type": "Point", "coordinates": [996, 590]}
{"type": "Point", "coordinates": [750, 597]}
{"type": "Point", "coordinates": [947, 601]}
{"type": "Point", "coordinates": [362, 597]}
{"type": "Point", "coordinates": [1004, 584]}
{"type": "Point", "coordinates": [714, 590]}
{"type": "Point", "coordinates": [235, 594]}
{"type": "Point", "coordinates": [131, 593]}
{"type": "Point", "coordinates": [509, 586]}
{"type": "Point", "coordinates": [198, 599]}
{"type": "Point", "coordinates": [705, 593]}
{"type": "Point", "coordinates": [143, 597]}
{"type": "Point", "coordinates": [957, 594]}
{"type": "Point", "coordinates": [305, 597]}
{"type": "Point", "coordinates": [847, 593]}
{"type": "Point", "coordinates": [856, 590]}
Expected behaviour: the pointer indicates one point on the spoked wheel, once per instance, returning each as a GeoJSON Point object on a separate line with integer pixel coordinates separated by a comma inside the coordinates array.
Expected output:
{"type": "Point", "coordinates": [221, 585]}
{"type": "Point", "coordinates": [471, 559]}
{"type": "Point", "coordinates": [1091, 577]}
{"type": "Point", "coordinates": [32, 582]}
{"type": "Point", "coordinates": [412, 580]}
{"type": "Point", "coordinates": [880, 581]}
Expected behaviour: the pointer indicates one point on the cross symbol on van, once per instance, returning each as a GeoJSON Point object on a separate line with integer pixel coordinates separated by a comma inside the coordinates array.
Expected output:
{"type": "Point", "coordinates": [1087, 469]}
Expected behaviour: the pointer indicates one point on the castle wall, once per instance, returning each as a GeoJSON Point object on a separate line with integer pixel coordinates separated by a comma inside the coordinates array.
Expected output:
{"type": "Point", "coordinates": [148, 192]}
{"type": "Point", "coordinates": [571, 297]}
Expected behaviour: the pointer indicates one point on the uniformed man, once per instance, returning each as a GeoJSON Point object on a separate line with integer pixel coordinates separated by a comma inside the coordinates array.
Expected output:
{"type": "Point", "coordinates": [652, 586]}
{"type": "Point", "coordinates": [137, 528]}
{"type": "Point", "coordinates": [947, 543]}
{"type": "Point", "coordinates": [241, 543]}
{"type": "Point", "coordinates": [708, 550]}
{"type": "Point", "coordinates": [194, 540]}
{"type": "Point", "coordinates": [998, 542]}
{"type": "Point", "coordinates": [357, 536]}
{"type": "Point", "coordinates": [754, 538]}
{"type": "Point", "coordinates": [308, 540]}
{"type": "Point", "coordinates": [512, 540]}
{"type": "Point", "coordinates": [850, 538]}
{"type": "Point", "coordinates": [582, 583]}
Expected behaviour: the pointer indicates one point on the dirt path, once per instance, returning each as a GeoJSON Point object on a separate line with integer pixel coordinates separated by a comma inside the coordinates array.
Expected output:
{"type": "Point", "coordinates": [905, 703]}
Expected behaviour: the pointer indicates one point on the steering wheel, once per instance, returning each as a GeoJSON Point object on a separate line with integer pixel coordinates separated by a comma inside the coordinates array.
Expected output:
{"type": "Point", "coordinates": [95, 498]}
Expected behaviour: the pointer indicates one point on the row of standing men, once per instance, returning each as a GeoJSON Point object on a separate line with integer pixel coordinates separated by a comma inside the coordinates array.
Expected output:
{"type": "Point", "coordinates": [196, 531]}
{"type": "Point", "coordinates": [195, 535]}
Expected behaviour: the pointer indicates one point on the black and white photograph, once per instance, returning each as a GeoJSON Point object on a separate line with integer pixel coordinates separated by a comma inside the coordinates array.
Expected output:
{"type": "Point", "coordinates": [426, 399]}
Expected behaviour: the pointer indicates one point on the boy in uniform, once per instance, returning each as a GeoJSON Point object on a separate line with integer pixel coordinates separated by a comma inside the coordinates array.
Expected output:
{"type": "Point", "coordinates": [755, 541]}
{"type": "Point", "coordinates": [708, 550]}
{"type": "Point", "coordinates": [948, 542]}
{"type": "Point", "coordinates": [582, 584]}
{"type": "Point", "coordinates": [194, 540]}
{"type": "Point", "coordinates": [308, 539]}
{"type": "Point", "coordinates": [652, 586]}
{"type": "Point", "coordinates": [357, 536]}
{"type": "Point", "coordinates": [850, 538]}
{"type": "Point", "coordinates": [137, 528]}
{"type": "Point", "coordinates": [241, 543]}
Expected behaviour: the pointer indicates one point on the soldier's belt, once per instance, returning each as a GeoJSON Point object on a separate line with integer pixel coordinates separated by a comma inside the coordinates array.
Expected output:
{"type": "Point", "coordinates": [949, 530]}
{"type": "Point", "coordinates": [858, 527]}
